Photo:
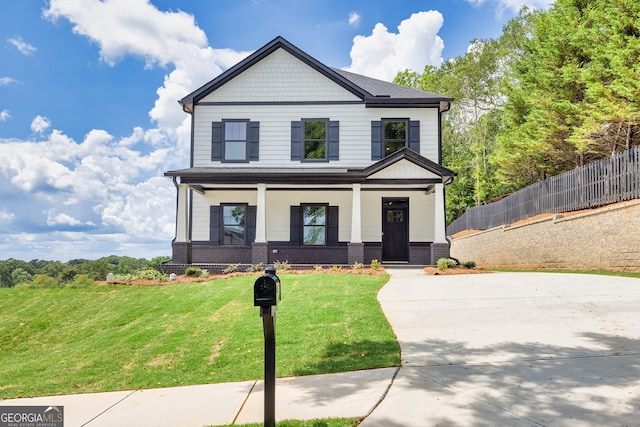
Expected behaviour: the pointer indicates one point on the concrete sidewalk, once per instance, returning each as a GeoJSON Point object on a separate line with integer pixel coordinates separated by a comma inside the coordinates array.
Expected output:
{"type": "Point", "coordinates": [349, 394]}
{"type": "Point", "coordinates": [512, 349]}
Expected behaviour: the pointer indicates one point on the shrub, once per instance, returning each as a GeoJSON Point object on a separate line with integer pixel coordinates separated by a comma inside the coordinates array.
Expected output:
{"type": "Point", "coordinates": [357, 265]}
{"type": "Point", "coordinates": [81, 281]}
{"type": "Point", "coordinates": [282, 265]}
{"type": "Point", "coordinates": [318, 268]}
{"type": "Point", "coordinates": [122, 278]}
{"type": "Point", "coordinates": [151, 274]}
{"type": "Point", "coordinates": [469, 264]}
{"type": "Point", "coordinates": [255, 267]}
{"type": "Point", "coordinates": [375, 265]}
{"type": "Point", "coordinates": [444, 263]}
{"type": "Point", "coordinates": [231, 268]}
{"type": "Point", "coordinates": [42, 281]}
{"type": "Point", "coordinates": [195, 271]}
{"type": "Point", "coordinates": [336, 268]}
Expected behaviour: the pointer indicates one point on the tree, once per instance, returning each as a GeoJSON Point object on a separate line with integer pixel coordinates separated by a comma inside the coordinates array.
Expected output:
{"type": "Point", "coordinates": [469, 128]}
{"type": "Point", "coordinates": [19, 276]}
{"type": "Point", "coordinates": [573, 88]}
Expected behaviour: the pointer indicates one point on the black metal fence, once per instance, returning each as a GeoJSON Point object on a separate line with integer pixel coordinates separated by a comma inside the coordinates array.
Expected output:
{"type": "Point", "coordinates": [610, 180]}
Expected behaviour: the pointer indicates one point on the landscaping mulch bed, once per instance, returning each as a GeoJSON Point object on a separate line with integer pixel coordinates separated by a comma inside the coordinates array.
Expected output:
{"type": "Point", "coordinates": [433, 271]}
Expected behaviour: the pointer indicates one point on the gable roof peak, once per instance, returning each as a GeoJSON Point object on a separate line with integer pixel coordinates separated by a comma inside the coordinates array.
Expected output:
{"type": "Point", "coordinates": [373, 92]}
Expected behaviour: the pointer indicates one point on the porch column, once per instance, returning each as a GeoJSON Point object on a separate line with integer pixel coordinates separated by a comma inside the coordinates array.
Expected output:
{"type": "Point", "coordinates": [438, 216]}
{"type": "Point", "coordinates": [182, 214]}
{"type": "Point", "coordinates": [356, 217]}
{"type": "Point", "coordinates": [440, 246]}
{"type": "Point", "coordinates": [261, 232]}
{"type": "Point", "coordinates": [355, 247]}
{"type": "Point", "coordinates": [260, 247]}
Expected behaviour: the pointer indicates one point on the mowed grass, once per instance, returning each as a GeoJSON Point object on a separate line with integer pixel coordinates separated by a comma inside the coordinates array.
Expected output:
{"type": "Point", "coordinates": [103, 338]}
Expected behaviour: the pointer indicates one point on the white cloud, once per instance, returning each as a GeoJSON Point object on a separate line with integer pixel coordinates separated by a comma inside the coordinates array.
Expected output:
{"type": "Point", "coordinates": [40, 124]}
{"type": "Point", "coordinates": [138, 28]}
{"type": "Point", "coordinates": [383, 54]}
{"type": "Point", "coordinates": [7, 80]}
{"type": "Point", "coordinates": [354, 19]}
{"type": "Point", "coordinates": [4, 115]}
{"type": "Point", "coordinates": [24, 47]}
{"type": "Point", "coordinates": [55, 218]}
{"type": "Point", "coordinates": [6, 216]}
{"type": "Point", "coordinates": [134, 27]}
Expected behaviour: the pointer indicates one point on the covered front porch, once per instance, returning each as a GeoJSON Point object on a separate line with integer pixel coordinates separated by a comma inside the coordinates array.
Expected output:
{"type": "Point", "coordinates": [392, 212]}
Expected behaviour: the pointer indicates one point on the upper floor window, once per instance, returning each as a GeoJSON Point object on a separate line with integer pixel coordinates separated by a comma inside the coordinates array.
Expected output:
{"type": "Point", "coordinates": [395, 136]}
{"type": "Point", "coordinates": [235, 140]}
{"type": "Point", "coordinates": [315, 140]}
{"type": "Point", "coordinates": [391, 135]}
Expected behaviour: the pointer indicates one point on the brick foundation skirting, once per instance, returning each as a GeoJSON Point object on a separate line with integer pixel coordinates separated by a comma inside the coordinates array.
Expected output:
{"type": "Point", "coordinates": [217, 258]}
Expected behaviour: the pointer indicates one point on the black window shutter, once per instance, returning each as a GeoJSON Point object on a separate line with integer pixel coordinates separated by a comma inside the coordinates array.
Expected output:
{"type": "Point", "coordinates": [334, 140]}
{"type": "Point", "coordinates": [414, 135]}
{"type": "Point", "coordinates": [295, 229]}
{"type": "Point", "coordinates": [296, 140]}
{"type": "Point", "coordinates": [250, 225]}
{"type": "Point", "coordinates": [376, 140]}
{"type": "Point", "coordinates": [332, 226]}
{"type": "Point", "coordinates": [254, 140]}
{"type": "Point", "coordinates": [215, 222]}
{"type": "Point", "coordinates": [216, 141]}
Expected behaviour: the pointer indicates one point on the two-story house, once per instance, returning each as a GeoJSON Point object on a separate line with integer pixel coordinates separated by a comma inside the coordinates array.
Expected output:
{"type": "Point", "coordinates": [293, 160]}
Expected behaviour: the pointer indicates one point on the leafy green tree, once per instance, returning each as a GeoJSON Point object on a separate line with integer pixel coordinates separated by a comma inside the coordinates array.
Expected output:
{"type": "Point", "coordinates": [5, 275]}
{"type": "Point", "coordinates": [469, 128]}
{"type": "Point", "coordinates": [573, 88]}
{"type": "Point", "coordinates": [19, 276]}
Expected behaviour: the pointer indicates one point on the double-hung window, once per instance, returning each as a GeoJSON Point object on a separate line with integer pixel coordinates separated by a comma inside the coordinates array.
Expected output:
{"type": "Point", "coordinates": [235, 140]}
{"type": "Point", "coordinates": [391, 135]}
{"type": "Point", "coordinates": [315, 139]}
{"type": "Point", "coordinates": [395, 136]}
{"type": "Point", "coordinates": [233, 224]}
{"type": "Point", "coordinates": [314, 224]}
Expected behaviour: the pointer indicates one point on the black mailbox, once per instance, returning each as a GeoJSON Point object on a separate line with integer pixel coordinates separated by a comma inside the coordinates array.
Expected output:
{"type": "Point", "coordinates": [266, 289]}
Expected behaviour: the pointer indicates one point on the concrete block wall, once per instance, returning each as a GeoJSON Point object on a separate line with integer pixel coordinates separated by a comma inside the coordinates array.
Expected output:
{"type": "Point", "coordinates": [606, 238]}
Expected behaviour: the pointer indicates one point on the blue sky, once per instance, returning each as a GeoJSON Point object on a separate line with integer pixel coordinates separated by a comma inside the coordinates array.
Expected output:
{"type": "Point", "coordinates": [89, 119]}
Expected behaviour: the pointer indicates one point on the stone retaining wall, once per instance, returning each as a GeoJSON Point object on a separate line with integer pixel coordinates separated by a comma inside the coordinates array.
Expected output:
{"type": "Point", "coordinates": [607, 238]}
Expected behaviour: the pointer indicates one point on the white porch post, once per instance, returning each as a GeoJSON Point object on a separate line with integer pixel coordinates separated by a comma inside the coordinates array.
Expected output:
{"type": "Point", "coordinates": [261, 232]}
{"type": "Point", "coordinates": [182, 214]}
{"type": "Point", "coordinates": [438, 216]}
{"type": "Point", "coordinates": [356, 216]}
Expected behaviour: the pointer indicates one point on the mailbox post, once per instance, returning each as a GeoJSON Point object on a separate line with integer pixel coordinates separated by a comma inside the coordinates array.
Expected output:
{"type": "Point", "coordinates": [266, 294]}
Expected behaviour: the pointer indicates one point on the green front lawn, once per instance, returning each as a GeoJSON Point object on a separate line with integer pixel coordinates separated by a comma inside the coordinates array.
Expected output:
{"type": "Point", "coordinates": [102, 338]}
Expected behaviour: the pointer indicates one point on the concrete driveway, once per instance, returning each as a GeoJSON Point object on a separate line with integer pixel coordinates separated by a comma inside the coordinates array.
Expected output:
{"type": "Point", "coordinates": [513, 349]}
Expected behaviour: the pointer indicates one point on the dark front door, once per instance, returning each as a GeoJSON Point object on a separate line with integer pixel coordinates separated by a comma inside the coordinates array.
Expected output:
{"type": "Point", "coordinates": [395, 229]}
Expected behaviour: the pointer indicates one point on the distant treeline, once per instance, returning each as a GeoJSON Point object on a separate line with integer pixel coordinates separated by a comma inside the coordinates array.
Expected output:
{"type": "Point", "coordinates": [14, 272]}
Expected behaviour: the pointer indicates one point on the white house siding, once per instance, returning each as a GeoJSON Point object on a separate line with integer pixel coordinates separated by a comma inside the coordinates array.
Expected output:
{"type": "Point", "coordinates": [201, 208]}
{"type": "Point", "coordinates": [421, 224]}
{"type": "Point", "coordinates": [277, 206]}
{"type": "Point", "coordinates": [278, 203]}
{"type": "Point", "coordinates": [275, 131]}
